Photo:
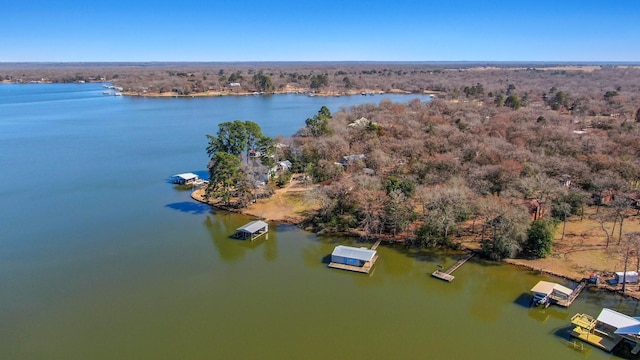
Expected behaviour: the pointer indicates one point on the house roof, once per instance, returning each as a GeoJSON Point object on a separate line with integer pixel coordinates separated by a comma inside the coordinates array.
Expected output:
{"type": "Point", "coordinates": [546, 287]}
{"type": "Point", "coordinates": [624, 323]}
{"type": "Point", "coordinates": [186, 176]}
{"type": "Point", "coordinates": [354, 253]}
{"type": "Point", "coordinates": [349, 158]}
{"type": "Point", "coordinates": [253, 226]}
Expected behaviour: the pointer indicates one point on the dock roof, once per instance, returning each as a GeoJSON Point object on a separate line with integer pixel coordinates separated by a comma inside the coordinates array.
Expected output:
{"type": "Point", "coordinates": [623, 323]}
{"type": "Point", "coordinates": [186, 176]}
{"type": "Point", "coordinates": [253, 227]}
{"type": "Point", "coordinates": [546, 287]}
{"type": "Point", "coordinates": [362, 254]}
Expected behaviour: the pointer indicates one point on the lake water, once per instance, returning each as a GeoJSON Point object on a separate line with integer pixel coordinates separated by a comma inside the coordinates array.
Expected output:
{"type": "Point", "coordinates": [102, 258]}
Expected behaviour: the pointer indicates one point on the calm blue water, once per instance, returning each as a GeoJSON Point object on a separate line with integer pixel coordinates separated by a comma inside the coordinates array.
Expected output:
{"type": "Point", "coordinates": [101, 258]}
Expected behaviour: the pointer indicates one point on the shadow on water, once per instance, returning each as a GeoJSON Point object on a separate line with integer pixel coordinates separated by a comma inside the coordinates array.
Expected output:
{"type": "Point", "coordinates": [222, 225]}
{"type": "Point", "coordinates": [524, 300]}
{"type": "Point", "coordinates": [286, 228]}
{"type": "Point", "coordinates": [542, 314]}
{"type": "Point", "coordinates": [194, 208]}
{"type": "Point", "coordinates": [564, 335]}
{"type": "Point", "coordinates": [326, 259]}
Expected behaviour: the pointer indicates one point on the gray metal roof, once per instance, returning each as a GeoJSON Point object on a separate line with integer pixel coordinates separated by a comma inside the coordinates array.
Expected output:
{"type": "Point", "coordinates": [253, 226]}
{"type": "Point", "coordinates": [354, 253]}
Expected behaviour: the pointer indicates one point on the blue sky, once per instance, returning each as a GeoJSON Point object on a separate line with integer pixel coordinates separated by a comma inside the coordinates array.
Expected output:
{"type": "Point", "coordinates": [329, 30]}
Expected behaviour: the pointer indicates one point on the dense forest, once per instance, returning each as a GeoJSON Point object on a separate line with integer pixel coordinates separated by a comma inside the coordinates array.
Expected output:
{"type": "Point", "coordinates": [505, 152]}
{"type": "Point", "coordinates": [508, 161]}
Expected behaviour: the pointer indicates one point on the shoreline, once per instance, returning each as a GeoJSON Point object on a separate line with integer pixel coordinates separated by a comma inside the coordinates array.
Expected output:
{"type": "Point", "coordinates": [306, 92]}
{"type": "Point", "coordinates": [198, 195]}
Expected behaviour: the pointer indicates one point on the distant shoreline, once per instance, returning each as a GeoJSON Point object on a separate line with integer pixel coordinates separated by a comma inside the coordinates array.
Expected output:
{"type": "Point", "coordinates": [215, 93]}
{"type": "Point", "coordinates": [218, 93]}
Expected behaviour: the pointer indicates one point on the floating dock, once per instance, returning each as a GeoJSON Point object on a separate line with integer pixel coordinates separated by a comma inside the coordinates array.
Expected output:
{"type": "Point", "coordinates": [591, 331]}
{"type": "Point", "coordinates": [446, 275]}
{"type": "Point", "coordinates": [607, 330]}
{"type": "Point", "coordinates": [365, 269]}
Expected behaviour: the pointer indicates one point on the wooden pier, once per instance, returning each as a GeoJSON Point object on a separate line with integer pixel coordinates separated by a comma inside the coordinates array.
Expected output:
{"type": "Point", "coordinates": [375, 246]}
{"type": "Point", "coordinates": [446, 275]}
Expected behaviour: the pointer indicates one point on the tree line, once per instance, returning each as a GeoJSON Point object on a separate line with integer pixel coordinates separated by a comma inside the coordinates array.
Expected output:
{"type": "Point", "coordinates": [602, 90]}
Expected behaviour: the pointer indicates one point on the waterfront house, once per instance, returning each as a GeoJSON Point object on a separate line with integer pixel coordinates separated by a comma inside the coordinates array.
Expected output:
{"type": "Point", "coordinates": [349, 159]}
{"type": "Point", "coordinates": [280, 167]}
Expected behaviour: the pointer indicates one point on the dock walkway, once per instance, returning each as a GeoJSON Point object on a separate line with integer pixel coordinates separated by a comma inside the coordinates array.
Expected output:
{"type": "Point", "coordinates": [446, 275]}
{"type": "Point", "coordinates": [375, 246]}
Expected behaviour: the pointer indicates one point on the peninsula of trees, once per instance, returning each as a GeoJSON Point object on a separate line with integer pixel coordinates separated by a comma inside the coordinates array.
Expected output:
{"type": "Point", "coordinates": [502, 151]}
{"type": "Point", "coordinates": [502, 160]}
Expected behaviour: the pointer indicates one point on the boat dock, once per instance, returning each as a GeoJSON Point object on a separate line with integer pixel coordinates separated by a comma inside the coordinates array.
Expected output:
{"type": "Point", "coordinates": [545, 293]}
{"type": "Point", "coordinates": [574, 295]}
{"type": "Point", "coordinates": [354, 259]}
{"type": "Point", "coordinates": [591, 331]}
{"type": "Point", "coordinates": [365, 269]}
{"type": "Point", "coordinates": [607, 330]}
{"type": "Point", "coordinates": [252, 230]}
{"type": "Point", "coordinates": [446, 275]}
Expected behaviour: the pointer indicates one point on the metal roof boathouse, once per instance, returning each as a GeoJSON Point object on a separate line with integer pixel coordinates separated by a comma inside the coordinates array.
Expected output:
{"type": "Point", "coordinates": [252, 230]}
{"type": "Point", "coordinates": [545, 293]}
{"type": "Point", "coordinates": [185, 178]}
{"type": "Point", "coordinates": [352, 258]}
{"type": "Point", "coordinates": [607, 330]}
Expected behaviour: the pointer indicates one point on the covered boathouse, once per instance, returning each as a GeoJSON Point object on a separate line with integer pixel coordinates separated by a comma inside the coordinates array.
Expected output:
{"type": "Point", "coordinates": [251, 230]}
{"type": "Point", "coordinates": [545, 292]}
{"type": "Point", "coordinates": [185, 178]}
{"type": "Point", "coordinates": [607, 330]}
{"type": "Point", "coordinates": [352, 258]}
